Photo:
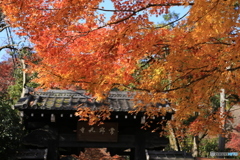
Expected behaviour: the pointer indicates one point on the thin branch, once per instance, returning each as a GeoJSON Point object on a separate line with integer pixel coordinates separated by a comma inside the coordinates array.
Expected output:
{"type": "Point", "coordinates": [148, 6]}
{"type": "Point", "coordinates": [187, 73]}
{"type": "Point", "coordinates": [207, 12]}
{"type": "Point", "coordinates": [5, 27]}
{"type": "Point", "coordinates": [170, 23]}
{"type": "Point", "coordinates": [137, 11]}
{"type": "Point", "coordinates": [233, 69]}
{"type": "Point", "coordinates": [224, 43]}
{"type": "Point", "coordinates": [113, 10]}
{"type": "Point", "coordinates": [192, 82]}
{"type": "Point", "coordinates": [203, 135]}
{"type": "Point", "coordinates": [142, 89]}
{"type": "Point", "coordinates": [185, 85]}
{"type": "Point", "coordinates": [172, 4]}
{"type": "Point", "coordinates": [164, 90]}
{"type": "Point", "coordinates": [9, 46]}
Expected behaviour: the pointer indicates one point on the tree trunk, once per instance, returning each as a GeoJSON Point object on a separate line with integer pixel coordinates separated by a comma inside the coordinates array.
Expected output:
{"type": "Point", "coordinates": [195, 149]}
{"type": "Point", "coordinates": [221, 141]}
{"type": "Point", "coordinates": [24, 77]}
{"type": "Point", "coordinates": [174, 144]}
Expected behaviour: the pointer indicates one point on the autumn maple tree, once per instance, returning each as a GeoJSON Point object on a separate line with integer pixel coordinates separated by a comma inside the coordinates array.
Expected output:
{"type": "Point", "coordinates": [233, 143]}
{"type": "Point", "coordinates": [6, 75]}
{"type": "Point", "coordinates": [77, 44]}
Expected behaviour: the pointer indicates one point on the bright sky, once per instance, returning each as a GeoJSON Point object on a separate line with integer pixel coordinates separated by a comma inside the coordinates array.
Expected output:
{"type": "Point", "coordinates": [107, 5]}
{"type": "Point", "coordinates": [180, 10]}
{"type": "Point", "coordinates": [19, 41]}
{"type": "Point", "coordinates": [3, 42]}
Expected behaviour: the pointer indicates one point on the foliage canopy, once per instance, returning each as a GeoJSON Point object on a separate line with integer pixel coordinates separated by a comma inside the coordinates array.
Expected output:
{"type": "Point", "coordinates": [76, 44]}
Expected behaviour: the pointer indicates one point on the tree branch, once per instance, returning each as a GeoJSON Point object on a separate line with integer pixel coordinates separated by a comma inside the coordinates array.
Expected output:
{"type": "Point", "coordinates": [8, 46]}
{"type": "Point", "coordinates": [164, 90]}
{"type": "Point", "coordinates": [137, 11]}
{"type": "Point", "coordinates": [187, 85]}
{"type": "Point", "coordinates": [113, 10]}
{"type": "Point", "coordinates": [173, 21]}
{"type": "Point", "coordinates": [6, 26]}
{"type": "Point", "coordinates": [172, 4]}
{"type": "Point", "coordinates": [233, 69]}
{"type": "Point", "coordinates": [148, 6]}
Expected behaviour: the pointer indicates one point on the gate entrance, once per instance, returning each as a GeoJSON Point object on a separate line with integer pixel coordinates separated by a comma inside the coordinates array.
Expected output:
{"type": "Point", "coordinates": [49, 117]}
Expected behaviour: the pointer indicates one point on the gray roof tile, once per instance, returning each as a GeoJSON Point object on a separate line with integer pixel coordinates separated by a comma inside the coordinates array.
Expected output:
{"type": "Point", "coordinates": [72, 100]}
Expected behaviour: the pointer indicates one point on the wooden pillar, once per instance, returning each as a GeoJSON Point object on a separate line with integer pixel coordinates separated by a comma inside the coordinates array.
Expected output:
{"type": "Point", "coordinates": [140, 146]}
{"type": "Point", "coordinates": [53, 142]}
{"type": "Point", "coordinates": [132, 154]}
{"type": "Point", "coordinates": [52, 153]}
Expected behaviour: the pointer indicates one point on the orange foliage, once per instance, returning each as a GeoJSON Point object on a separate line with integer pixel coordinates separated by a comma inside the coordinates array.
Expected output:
{"type": "Point", "coordinates": [97, 154]}
{"type": "Point", "coordinates": [93, 117]}
{"type": "Point", "coordinates": [186, 64]}
{"type": "Point", "coordinates": [234, 143]}
{"type": "Point", "coordinates": [6, 75]}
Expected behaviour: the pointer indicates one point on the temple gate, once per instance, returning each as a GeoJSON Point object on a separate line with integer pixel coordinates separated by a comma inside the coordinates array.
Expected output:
{"type": "Point", "coordinates": [53, 129]}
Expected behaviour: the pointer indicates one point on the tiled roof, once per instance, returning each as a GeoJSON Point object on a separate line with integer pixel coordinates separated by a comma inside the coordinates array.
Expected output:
{"type": "Point", "coordinates": [71, 100]}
